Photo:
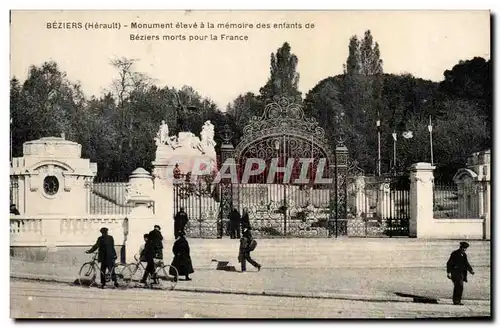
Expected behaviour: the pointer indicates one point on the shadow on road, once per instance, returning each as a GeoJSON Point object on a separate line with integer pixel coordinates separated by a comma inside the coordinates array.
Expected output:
{"type": "Point", "coordinates": [419, 299]}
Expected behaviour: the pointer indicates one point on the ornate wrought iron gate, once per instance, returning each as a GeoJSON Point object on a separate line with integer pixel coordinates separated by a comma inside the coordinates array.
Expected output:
{"type": "Point", "coordinates": [282, 206]}
{"type": "Point", "coordinates": [348, 205]}
{"type": "Point", "coordinates": [378, 206]}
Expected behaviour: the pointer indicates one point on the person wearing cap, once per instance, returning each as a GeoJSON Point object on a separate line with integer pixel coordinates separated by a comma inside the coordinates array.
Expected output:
{"type": "Point", "coordinates": [456, 268]}
{"type": "Point", "coordinates": [105, 245]}
{"type": "Point", "coordinates": [156, 238]}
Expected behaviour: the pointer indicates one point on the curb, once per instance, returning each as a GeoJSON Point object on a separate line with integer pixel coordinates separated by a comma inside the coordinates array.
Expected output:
{"type": "Point", "coordinates": [312, 295]}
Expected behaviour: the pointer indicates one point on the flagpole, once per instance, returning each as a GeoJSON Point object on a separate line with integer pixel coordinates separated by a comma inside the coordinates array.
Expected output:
{"type": "Point", "coordinates": [394, 136]}
{"type": "Point", "coordinates": [378, 137]}
{"type": "Point", "coordinates": [430, 139]}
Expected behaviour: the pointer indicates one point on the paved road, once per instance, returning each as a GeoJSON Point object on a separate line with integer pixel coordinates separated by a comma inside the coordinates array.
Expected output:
{"type": "Point", "coordinates": [50, 300]}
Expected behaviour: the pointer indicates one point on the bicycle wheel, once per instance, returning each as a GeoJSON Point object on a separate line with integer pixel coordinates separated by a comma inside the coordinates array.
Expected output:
{"type": "Point", "coordinates": [87, 275]}
{"type": "Point", "coordinates": [120, 273]}
{"type": "Point", "coordinates": [167, 277]}
{"type": "Point", "coordinates": [132, 274]}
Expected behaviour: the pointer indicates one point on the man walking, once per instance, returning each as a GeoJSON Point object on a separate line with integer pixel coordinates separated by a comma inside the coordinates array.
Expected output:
{"type": "Point", "coordinates": [457, 267]}
{"type": "Point", "coordinates": [180, 221]}
{"type": "Point", "coordinates": [234, 223]}
{"type": "Point", "coordinates": [106, 255]}
{"type": "Point", "coordinates": [247, 245]}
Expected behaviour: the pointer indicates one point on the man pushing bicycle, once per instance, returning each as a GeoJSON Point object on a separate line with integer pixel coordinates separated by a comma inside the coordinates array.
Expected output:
{"type": "Point", "coordinates": [105, 245]}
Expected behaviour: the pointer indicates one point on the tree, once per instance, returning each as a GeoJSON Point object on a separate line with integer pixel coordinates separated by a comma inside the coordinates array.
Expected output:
{"type": "Point", "coordinates": [48, 104]}
{"type": "Point", "coordinates": [243, 108]}
{"type": "Point", "coordinates": [323, 103]}
{"type": "Point", "coordinates": [284, 79]}
{"type": "Point", "coordinates": [471, 80]}
{"type": "Point", "coordinates": [362, 98]}
{"type": "Point", "coordinates": [128, 83]}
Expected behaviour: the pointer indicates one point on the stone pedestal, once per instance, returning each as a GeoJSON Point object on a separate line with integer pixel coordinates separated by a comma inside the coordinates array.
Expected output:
{"type": "Point", "coordinates": [141, 220]}
{"type": "Point", "coordinates": [421, 199]}
{"type": "Point", "coordinates": [164, 208]}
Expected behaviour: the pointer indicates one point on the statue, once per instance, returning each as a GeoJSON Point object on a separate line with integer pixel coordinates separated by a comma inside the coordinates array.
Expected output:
{"type": "Point", "coordinates": [162, 137]}
{"type": "Point", "coordinates": [207, 137]}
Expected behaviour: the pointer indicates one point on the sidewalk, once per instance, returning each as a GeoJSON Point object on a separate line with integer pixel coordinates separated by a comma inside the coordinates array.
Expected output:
{"type": "Point", "coordinates": [374, 284]}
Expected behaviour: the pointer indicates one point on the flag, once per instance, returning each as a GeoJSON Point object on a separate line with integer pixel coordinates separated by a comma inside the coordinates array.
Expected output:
{"type": "Point", "coordinates": [395, 136]}
{"type": "Point", "coordinates": [429, 127]}
{"type": "Point", "coordinates": [408, 134]}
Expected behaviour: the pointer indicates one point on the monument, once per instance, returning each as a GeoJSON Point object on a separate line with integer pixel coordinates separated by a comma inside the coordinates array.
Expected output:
{"type": "Point", "coordinates": [191, 153]}
{"type": "Point", "coordinates": [50, 175]}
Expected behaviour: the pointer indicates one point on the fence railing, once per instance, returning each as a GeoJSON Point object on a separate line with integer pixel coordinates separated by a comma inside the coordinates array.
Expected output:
{"type": "Point", "coordinates": [108, 197]}
{"type": "Point", "coordinates": [450, 202]}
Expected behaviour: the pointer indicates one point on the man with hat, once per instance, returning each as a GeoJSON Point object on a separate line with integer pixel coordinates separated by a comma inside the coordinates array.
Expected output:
{"type": "Point", "coordinates": [105, 245]}
{"type": "Point", "coordinates": [457, 267]}
{"type": "Point", "coordinates": [153, 250]}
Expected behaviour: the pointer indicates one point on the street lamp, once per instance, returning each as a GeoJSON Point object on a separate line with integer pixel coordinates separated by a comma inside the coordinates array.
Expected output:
{"type": "Point", "coordinates": [429, 127]}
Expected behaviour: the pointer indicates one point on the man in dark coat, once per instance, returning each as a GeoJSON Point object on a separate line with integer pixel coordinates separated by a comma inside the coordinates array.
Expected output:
{"type": "Point", "coordinates": [180, 221]}
{"type": "Point", "coordinates": [245, 220]}
{"type": "Point", "coordinates": [148, 255]}
{"type": "Point", "coordinates": [106, 255]}
{"type": "Point", "coordinates": [457, 267]}
{"type": "Point", "coordinates": [182, 258]}
{"type": "Point", "coordinates": [244, 254]}
{"type": "Point", "coordinates": [156, 239]}
{"type": "Point", "coordinates": [234, 223]}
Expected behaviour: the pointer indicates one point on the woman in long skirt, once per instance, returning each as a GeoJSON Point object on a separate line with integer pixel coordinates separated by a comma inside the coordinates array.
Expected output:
{"type": "Point", "coordinates": [182, 259]}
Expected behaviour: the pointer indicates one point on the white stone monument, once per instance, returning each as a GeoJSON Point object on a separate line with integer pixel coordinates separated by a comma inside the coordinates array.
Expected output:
{"type": "Point", "coordinates": [191, 153]}
{"type": "Point", "coordinates": [51, 178]}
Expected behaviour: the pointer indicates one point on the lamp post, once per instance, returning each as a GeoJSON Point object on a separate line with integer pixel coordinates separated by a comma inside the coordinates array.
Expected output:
{"type": "Point", "coordinates": [379, 161]}
{"type": "Point", "coordinates": [395, 138]}
{"type": "Point", "coordinates": [430, 139]}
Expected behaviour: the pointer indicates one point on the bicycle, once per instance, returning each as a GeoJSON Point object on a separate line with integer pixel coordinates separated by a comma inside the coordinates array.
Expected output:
{"type": "Point", "coordinates": [162, 277]}
{"type": "Point", "coordinates": [87, 276]}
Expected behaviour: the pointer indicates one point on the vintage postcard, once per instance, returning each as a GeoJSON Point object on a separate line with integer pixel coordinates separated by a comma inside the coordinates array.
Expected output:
{"type": "Point", "coordinates": [250, 164]}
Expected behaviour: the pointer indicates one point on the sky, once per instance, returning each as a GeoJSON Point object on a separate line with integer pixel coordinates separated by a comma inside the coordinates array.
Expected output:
{"type": "Point", "coordinates": [422, 43]}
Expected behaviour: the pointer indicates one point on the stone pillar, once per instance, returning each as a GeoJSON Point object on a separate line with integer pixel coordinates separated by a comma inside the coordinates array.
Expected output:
{"type": "Point", "coordinates": [487, 210]}
{"type": "Point", "coordinates": [385, 205]}
{"type": "Point", "coordinates": [227, 190]}
{"type": "Point", "coordinates": [421, 198]}
{"type": "Point", "coordinates": [341, 155]}
{"type": "Point", "coordinates": [141, 220]}
{"type": "Point", "coordinates": [164, 211]}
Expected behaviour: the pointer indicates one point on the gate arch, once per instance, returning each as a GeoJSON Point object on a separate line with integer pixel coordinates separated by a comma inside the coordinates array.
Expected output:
{"type": "Point", "coordinates": [284, 132]}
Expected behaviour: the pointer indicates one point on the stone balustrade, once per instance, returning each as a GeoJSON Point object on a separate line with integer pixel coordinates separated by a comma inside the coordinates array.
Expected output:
{"type": "Point", "coordinates": [59, 230]}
